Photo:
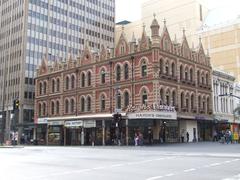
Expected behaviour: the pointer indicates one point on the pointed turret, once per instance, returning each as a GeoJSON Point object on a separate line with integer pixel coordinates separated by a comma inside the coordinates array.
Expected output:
{"type": "Point", "coordinates": [155, 32]}
{"type": "Point", "coordinates": [133, 44]}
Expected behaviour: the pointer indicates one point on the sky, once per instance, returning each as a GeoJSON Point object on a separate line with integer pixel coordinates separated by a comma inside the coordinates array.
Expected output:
{"type": "Point", "coordinates": [131, 9]}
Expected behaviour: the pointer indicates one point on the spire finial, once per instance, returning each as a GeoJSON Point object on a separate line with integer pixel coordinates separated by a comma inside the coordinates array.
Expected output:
{"type": "Point", "coordinates": [122, 27]}
{"type": "Point", "coordinates": [164, 21]}
{"type": "Point", "coordinates": [154, 15]}
{"type": "Point", "coordinates": [184, 31]}
{"type": "Point", "coordinates": [200, 38]}
{"type": "Point", "coordinates": [144, 26]}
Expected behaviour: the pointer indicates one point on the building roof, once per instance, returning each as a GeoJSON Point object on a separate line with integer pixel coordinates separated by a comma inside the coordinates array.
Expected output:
{"type": "Point", "coordinates": [123, 22]}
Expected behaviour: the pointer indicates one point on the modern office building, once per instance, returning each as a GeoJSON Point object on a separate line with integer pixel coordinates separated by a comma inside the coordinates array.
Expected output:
{"type": "Point", "coordinates": [161, 88]}
{"type": "Point", "coordinates": [184, 14]}
{"type": "Point", "coordinates": [33, 29]}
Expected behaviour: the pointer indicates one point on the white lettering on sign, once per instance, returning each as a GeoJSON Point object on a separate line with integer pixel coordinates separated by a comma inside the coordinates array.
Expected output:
{"type": "Point", "coordinates": [153, 115]}
{"type": "Point", "coordinates": [73, 123]}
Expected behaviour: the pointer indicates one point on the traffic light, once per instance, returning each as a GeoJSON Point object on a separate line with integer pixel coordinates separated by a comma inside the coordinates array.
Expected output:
{"type": "Point", "coordinates": [16, 104]}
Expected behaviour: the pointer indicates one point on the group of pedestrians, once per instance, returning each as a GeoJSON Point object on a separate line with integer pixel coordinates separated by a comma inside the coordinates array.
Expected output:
{"type": "Point", "coordinates": [224, 136]}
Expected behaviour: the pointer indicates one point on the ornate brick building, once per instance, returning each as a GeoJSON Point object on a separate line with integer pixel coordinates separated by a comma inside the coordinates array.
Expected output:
{"type": "Point", "coordinates": [161, 88]}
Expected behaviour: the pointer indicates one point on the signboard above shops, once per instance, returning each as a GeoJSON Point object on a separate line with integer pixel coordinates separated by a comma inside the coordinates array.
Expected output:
{"type": "Point", "coordinates": [89, 124]}
{"type": "Point", "coordinates": [153, 115]}
{"type": "Point", "coordinates": [55, 123]}
{"type": "Point", "coordinates": [42, 121]}
{"type": "Point", "coordinates": [73, 123]}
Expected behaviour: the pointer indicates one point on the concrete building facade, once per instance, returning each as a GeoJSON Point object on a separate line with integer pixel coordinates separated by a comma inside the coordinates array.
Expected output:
{"type": "Point", "coordinates": [161, 88]}
{"type": "Point", "coordinates": [33, 29]}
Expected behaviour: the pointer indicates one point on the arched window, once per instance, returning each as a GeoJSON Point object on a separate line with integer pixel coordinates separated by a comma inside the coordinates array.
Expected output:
{"type": "Point", "coordinates": [191, 74]}
{"type": "Point", "coordinates": [119, 100]}
{"type": "Point", "coordinates": [88, 103]}
{"type": "Point", "coordinates": [167, 68]}
{"type": "Point", "coordinates": [57, 107]}
{"type": "Point", "coordinates": [173, 98]}
{"type": "Point", "coordinates": [181, 72]}
{"type": "Point", "coordinates": [204, 104]}
{"type": "Point", "coordinates": [58, 85]}
{"type": "Point", "coordinates": [199, 102]}
{"type": "Point", "coordinates": [103, 103]}
{"type": "Point", "coordinates": [44, 109]}
{"type": "Point", "coordinates": [45, 87]}
{"type": "Point", "coordinates": [203, 81]}
{"type": "Point", "coordinates": [207, 79]}
{"type": "Point", "coordinates": [186, 73]}
{"type": "Point", "coordinates": [161, 67]}
{"type": "Point", "coordinates": [83, 80]}
{"type": "Point", "coordinates": [40, 88]}
{"type": "Point", "coordinates": [82, 104]}
{"type": "Point", "coordinates": [187, 102]}
{"type": "Point", "coordinates": [72, 105]}
{"type": "Point", "coordinates": [103, 74]}
{"type": "Point", "coordinates": [198, 77]}
{"type": "Point", "coordinates": [182, 100]}
{"type": "Point", "coordinates": [66, 106]}
{"type": "Point", "coordinates": [161, 97]}
{"type": "Point", "coordinates": [53, 85]}
{"type": "Point", "coordinates": [89, 78]}
{"type": "Point", "coordinates": [192, 101]}
{"type": "Point", "coordinates": [39, 110]}
{"type": "Point", "coordinates": [67, 83]}
{"type": "Point", "coordinates": [144, 69]}
{"type": "Point", "coordinates": [118, 73]}
{"type": "Point", "coordinates": [208, 105]}
{"type": "Point", "coordinates": [126, 72]}
{"type": "Point", "coordinates": [126, 99]}
{"type": "Point", "coordinates": [173, 69]}
{"type": "Point", "coordinates": [167, 98]}
{"type": "Point", "coordinates": [52, 108]}
{"type": "Point", "coordinates": [72, 81]}
{"type": "Point", "coordinates": [144, 97]}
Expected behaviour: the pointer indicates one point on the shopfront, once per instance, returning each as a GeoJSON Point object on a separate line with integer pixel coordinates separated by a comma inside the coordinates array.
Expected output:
{"type": "Point", "coordinates": [153, 127]}
{"type": "Point", "coordinates": [40, 131]}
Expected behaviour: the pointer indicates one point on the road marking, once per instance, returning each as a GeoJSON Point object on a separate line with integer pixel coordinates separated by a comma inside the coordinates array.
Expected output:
{"type": "Point", "coordinates": [97, 168]}
{"type": "Point", "coordinates": [235, 160]}
{"type": "Point", "coordinates": [227, 162]}
{"type": "Point", "coordinates": [189, 170]}
{"type": "Point", "coordinates": [168, 175]}
{"type": "Point", "coordinates": [215, 164]}
{"type": "Point", "coordinates": [117, 165]}
{"type": "Point", "coordinates": [155, 177]}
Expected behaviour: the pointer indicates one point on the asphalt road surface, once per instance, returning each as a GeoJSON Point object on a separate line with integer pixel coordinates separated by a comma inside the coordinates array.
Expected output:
{"type": "Point", "coordinates": [201, 161]}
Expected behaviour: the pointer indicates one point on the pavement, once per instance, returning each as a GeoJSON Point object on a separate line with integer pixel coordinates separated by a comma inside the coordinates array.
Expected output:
{"type": "Point", "coordinates": [200, 161]}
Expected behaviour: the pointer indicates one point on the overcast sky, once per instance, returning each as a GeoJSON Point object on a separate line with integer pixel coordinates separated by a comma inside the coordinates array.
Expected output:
{"type": "Point", "coordinates": [131, 9]}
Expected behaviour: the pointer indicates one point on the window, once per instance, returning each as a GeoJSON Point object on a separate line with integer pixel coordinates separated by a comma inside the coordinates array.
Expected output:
{"type": "Point", "coordinates": [161, 67]}
{"type": "Point", "coordinates": [103, 74]}
{"type": "Point", "coordinates": [161, 97]}
{"type": "Point", "coordinates": [173, 69]}
{"type": "Point", "coordinates": [126, 99]}
{"type": "Point", "coordinates": [167, 69]}
{"type": "Point", "coordinates": [186, 73]}
{"type": "Point", "coordinates": [66, 106]}
{"type": "Point", "coordinates": [167, 98]}
{"type": "Point", "coordinates": [45, 87]}
{"type": "Point", "coordinates": [57, 107]}
{"type": "Point", "coordinates": [53, 85]}
{"type": "Point", "coordinates": [119, 102]}
{"type": "Point", "coordinates": [182, 100]}
{"type": "Point", "coordinates": [181, 72]}
{"type": "Point", "coordinates": [72, 81]}
{"type": "Point", "coordinates": [191, 74]}
{"type": "Point", "coordinates": [199, 102]}
{"type": "Point", "coordinates": [187, 102]}
{"type": "Point", "coordinates": [118, 73]}
{"type": "Point", "coordinates": [208, 105]}
{"type": "Point", "coordinates": [126, 71]}
{"type": "Point", "coordinates": [82, 104]}
{"type": "Point", "coordinates": [102, 103]}
{"type": "Point", "coordinates": [207, 79]}
{"type": "Point", "coordinates": [192, 101]}
{"type": "Point", "coordinates": [89, 104]}
{"type": "Point", "coordinates": [40, 88]}
{"type": "Point", "coordinates": [67, 83]}
{"type": "Point", "coordinates": [198, 77]}
{"type": "Point", "coordinates": [39, 110]}
{"type": "Point", "coordinates": [58, 85]}
{"type": "Point", "coordinates": [144, 69]}
{"type": "Point", "coordinates": [89, 78]}
{"type": "Point", "coordinates": [44, 109]}
{"type": "Point", "coordinates": [72, 105]}
{"type": "Point", "coordinates": [52, 108]}
{"type": "Point", "coordinates": [83, 80]}
{"type": "Point", "coordinates": [173, 98]}
{"type": "Point", "coordinates": [144, 97]}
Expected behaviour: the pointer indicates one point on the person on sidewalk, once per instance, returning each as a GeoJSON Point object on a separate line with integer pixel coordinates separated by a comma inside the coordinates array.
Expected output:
{"type": "Point", "coordinates": [182, 136]}
{"type": "Point", "coordinates": [187, 137]}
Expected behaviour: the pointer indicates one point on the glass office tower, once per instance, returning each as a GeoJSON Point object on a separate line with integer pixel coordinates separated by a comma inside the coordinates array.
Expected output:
{"type": "Point", "coordinates": [34, 29]}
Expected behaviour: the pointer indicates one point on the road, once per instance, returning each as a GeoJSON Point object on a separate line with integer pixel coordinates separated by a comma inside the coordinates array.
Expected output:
{"type": "Point", "coordinates": [200, 161]}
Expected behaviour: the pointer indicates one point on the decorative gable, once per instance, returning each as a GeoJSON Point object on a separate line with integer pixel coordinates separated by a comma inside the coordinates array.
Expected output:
{"type": "Point", "coordinates": [166, 43]}
{"type": "Point", "coordinates": [87, 56]}
{"type": "Point", "coordinates": [122, 47]}
{"type": "Point", "coordinates": [103, 53]}
{"type": "Point", "coordinates": [144, 42]}
{"type": "Point", "coordinates": [44, 67]}
{"type": "Point", "coordinates": [186, 52]}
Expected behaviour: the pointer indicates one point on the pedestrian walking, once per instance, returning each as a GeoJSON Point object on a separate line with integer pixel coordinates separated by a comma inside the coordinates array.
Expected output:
{"type": "Point", "coordinates": [136, 139]}
{"type": "Point", "coordinates": [182, 136]}
{"type": "Point", "coordinates": [187, 137]}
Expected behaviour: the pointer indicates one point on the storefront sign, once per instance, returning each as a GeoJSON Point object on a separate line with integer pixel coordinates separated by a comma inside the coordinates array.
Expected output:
{"type": "Point", "coordinates": [153, 115]}
{"type": "Point", "coordinates": [89, 123]}
{"type": "Point", "coordinates": [73, 123]}
{"type": "Point", "coordinates": [42, 121]}
{"type": "Point", "coordinates": [56, 123]}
